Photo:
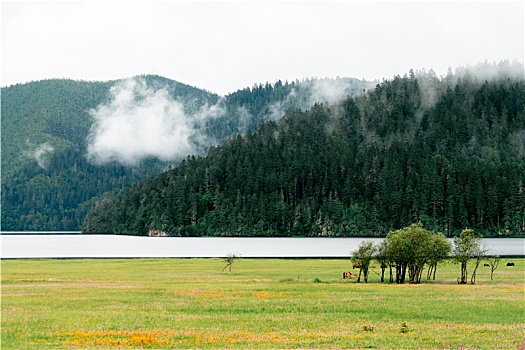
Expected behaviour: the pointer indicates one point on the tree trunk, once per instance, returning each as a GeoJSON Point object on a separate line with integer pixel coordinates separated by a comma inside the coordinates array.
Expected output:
{"type": "Point", "coordinates": [429, 271]}
{"type": "Point", "coordinates": [463, 273]}
{"type": "Point", "coordinates": [398, 274]}
{"type": "Point", "coordinates": [403, 273]}
{"type": "Point", "coordinates": [420, 274]}
{"type": "Point", "coordinates": [473, 278]}
{"type": "Point", "coordinates": [412, 274]}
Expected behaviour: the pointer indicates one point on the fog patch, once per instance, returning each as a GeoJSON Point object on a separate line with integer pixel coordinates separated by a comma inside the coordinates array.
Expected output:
{"type": "Point", "coordinates": [491, 71]}
{"type": "Point", "coordinates": [40, 153]}
{"type": "Point", "coordinates": [244, 120]}
{"type": "Point", "coordinates": [517, 143]}
{"type": "Point", "coordinates": [332, 91]}
{"type": "Point", "coordinates": [311, 91]}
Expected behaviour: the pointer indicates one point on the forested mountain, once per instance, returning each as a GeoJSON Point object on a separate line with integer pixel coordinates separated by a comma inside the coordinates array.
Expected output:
{"type": "Point", "coordinates": [449, 152]}
{"type": "Point", "coordinates": [57, 162]}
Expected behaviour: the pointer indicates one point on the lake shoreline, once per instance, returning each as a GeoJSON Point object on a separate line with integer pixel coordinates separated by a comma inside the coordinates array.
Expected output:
{"type": "Point", "coordinates": [118, 246]}
{"type": "Point", "coordinates": [57, 233]}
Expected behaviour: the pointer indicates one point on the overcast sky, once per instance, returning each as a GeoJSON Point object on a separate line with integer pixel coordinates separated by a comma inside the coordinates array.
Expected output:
{"type": "Point", "coordinates": [225, 46]}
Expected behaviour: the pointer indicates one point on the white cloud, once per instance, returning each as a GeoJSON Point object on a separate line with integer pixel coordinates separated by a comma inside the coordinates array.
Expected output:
{"type": "Point", "coordinates": [139, 122]}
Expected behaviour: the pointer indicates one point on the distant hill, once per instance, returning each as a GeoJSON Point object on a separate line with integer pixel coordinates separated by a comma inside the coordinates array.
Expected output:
{"type": "Point", "coordinates": [447, 151]}
{"type": "Point", "coordinates": [63, 147]}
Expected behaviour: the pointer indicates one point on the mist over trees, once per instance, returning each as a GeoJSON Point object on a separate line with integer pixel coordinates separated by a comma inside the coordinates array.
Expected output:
{"type": "Point", "coordinates": [48, 184]}
{"type": "Point", "coordinates": [448, 152]}
{"type": "Point", "coordinates": [67, 145]}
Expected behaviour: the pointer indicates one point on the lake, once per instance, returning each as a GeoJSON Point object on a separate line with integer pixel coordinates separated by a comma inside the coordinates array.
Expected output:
{"type": "Point", "coordinates": [110, 246]}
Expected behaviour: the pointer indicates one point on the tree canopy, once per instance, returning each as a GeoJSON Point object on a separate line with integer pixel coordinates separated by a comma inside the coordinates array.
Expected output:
{"type": "Point", "coordinates": [410, 248]}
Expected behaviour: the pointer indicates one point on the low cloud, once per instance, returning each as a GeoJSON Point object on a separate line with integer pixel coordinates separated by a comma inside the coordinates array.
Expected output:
{"type": "Point", "coordinates": [491, 71]}
{"type": "Point", "coordinates": [140, 122]}
{"type": "Point", "coordinates": [309, 92]}
{"type": "Point", "coordinates": [332, 90]}
{"type": "Point", "coordinates": [40, 153]}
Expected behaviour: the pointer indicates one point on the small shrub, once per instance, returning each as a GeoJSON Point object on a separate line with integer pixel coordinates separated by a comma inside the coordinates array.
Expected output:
{"type": "Point", "coordinates": [404, 328]}
{"type": "Point", "coordinates": [287, 280]}
{"type": "Point", "coordinates": [367, 328]}
{"type": "Point", "coordinates": [317, 280]}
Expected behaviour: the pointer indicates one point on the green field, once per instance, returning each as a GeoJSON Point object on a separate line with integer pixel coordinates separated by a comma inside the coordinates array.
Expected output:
{"type": "Point", "coordinates": [190, 303]}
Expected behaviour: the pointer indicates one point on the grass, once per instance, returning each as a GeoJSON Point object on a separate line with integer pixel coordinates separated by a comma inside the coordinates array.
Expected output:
{"type": "Point", "coordinates": [190, 303]}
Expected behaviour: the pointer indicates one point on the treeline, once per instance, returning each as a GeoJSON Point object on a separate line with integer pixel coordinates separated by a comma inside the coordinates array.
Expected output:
{"type": "Point", "coordinates": [449, 153]}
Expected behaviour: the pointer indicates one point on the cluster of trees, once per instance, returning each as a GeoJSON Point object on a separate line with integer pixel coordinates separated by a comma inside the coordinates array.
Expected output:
{"type": "Point", "coordinates": [449, 153]}
{"type": "Point", "coordinates": [407, 249]}
{"type": "Point", "coordinates": [413, 248]}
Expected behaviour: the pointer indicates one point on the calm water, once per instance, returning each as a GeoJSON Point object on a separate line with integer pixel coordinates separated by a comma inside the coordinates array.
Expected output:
{"type": "Point", "coordinates": [107, 246]}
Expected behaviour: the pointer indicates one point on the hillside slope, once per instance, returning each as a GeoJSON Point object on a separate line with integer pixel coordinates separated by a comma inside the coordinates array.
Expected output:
{"type": "Point", "coordinates": [46, 178]}
{"type": "Point", "coordinates": [66, 144]}
{"type": "Point", "coordinates": [447, 152]}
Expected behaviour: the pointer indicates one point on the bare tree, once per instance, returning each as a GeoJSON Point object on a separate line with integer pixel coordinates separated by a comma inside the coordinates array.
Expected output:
{"type": "Point", "coordinates": [440, 250]}
{"type": "Point", "coordinates": [480, 253]}
{"type": "Point", "coordinates": [493, 261]}
{"type": "Point", "coordinates": [229, 260]}
{"type": "Point", "coordinates": [465, 247]}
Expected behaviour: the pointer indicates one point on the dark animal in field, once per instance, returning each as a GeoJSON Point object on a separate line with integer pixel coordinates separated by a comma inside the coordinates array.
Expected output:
{"type": "Point", "coordinates": [356, 266]}
{"type": "Point", "coordinates": [347, 274]}
{"type": "Point", "coordinates": [486, 265]}
{"type": "Point", "coordinates": [510, 264]}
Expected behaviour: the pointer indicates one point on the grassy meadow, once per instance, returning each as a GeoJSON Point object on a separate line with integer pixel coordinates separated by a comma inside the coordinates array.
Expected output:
{"type": "Point", "coordinates": [261, 303]}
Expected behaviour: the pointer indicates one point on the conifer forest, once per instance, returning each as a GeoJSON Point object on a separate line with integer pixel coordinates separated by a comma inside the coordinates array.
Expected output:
{"type": "Point", "coordinates": [446, 151]}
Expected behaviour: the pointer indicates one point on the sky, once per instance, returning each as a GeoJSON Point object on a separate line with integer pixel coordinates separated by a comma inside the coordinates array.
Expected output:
{"type": "Point", "coordinates": [225, 46]}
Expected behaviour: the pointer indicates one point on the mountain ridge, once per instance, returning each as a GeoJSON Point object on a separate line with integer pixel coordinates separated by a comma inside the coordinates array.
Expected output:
{"type": "Point", "coordinates": [47, 181]}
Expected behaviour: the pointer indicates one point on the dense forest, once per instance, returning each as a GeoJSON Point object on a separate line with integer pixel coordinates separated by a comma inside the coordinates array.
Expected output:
{"type": "Point", "coordinates": [448, 152]}
{"type": "Point", "coordinates": [49, 182]}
